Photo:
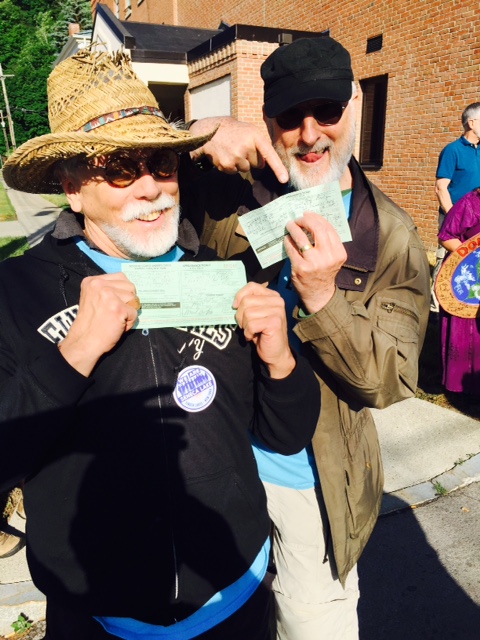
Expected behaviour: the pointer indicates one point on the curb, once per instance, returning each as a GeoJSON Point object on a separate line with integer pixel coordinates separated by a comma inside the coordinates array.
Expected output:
{"type": "Point", "coordinates": [461, 475]}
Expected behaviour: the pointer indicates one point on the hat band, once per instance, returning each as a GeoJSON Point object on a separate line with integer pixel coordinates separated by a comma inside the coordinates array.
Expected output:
{"type": "Point", "coordinates": [118, 115]}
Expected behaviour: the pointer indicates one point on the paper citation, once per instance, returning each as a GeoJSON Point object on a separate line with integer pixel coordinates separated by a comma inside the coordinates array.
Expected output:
{"type": "Point", "coordinates": [265, 227]}
{"type": "Point", "coordinates": [186, 294]}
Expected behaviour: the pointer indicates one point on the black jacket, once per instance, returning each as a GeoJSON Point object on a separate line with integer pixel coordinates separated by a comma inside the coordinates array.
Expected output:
{"type": "Point", "coordinates": [135, 507]}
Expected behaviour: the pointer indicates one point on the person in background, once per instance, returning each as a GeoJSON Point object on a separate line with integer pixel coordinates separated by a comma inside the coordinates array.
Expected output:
{"type": "Point", "coordinates": [359, 310]}
{"type": "Point", "coordinates": [458, 172]}
{"type": "Point", "coordinates": [460, 337]}
{"type": "Point", "coordinates": [10, 543]}
{"type": "Point", "coordinates": [146, 515]}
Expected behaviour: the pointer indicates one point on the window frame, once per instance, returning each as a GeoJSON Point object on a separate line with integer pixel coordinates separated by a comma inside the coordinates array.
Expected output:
{"type": "Point", "coordinates": [372, 129]}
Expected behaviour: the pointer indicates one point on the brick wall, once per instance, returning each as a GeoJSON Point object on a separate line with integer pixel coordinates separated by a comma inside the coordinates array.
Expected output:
{"type": "Point", "coordinates": [431, 53]}
{"type": "Point", "coordinates": [151, 11]}
{"type": "Point", "coordinates": [241, 60]}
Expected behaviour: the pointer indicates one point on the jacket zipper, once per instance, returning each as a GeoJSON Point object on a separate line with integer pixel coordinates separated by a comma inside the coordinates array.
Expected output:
{"type": "Point", "coordinates": [159, 400]}
{"type": "Point", "coordinates": [392, 306]}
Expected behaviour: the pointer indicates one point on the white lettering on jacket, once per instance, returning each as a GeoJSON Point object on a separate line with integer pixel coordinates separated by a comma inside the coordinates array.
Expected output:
{"type": "Point", "coordinates": [56, 328]}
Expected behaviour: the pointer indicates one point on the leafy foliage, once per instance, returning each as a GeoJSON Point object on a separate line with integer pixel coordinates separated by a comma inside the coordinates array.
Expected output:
{"type": "Point", "coordinates": [72, 11]}
{"type": "Point", "coordinates": [21, 624]}
{"type": "Point", "coordinates": [32, 34]}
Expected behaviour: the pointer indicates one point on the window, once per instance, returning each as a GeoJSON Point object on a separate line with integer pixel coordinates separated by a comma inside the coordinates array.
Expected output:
{"type": "Point", "coordinates": [372, 133]}
{"type": "Point", "coordinates": [211, 99]}
{"type": "Point", "coordinates": [128, 8]}
{"type": "Point", "coordinates": [375, 44]}
{"type": "Point", "coordinates": [117, 8]}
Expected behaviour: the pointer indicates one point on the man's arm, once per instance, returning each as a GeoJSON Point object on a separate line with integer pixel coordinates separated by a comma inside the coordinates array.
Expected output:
{"type": "Point", "coordinates": [288, 398]}
{"type": "Point", "coordinates": [371, 349]}
{"type": "Point", "coordinates": [39, 397]}
{"type": "Point", "coordinates": [236, 146]}
{"type": "Point", "coordinates": [443, 194]}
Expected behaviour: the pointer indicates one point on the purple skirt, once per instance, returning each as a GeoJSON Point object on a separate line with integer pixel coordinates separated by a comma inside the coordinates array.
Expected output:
{"type": "Point", "coordinates": [460, 353]}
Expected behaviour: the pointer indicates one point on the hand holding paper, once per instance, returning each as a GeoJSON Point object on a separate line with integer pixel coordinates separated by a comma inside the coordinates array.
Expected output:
{"type": "Point", "coordinates": [314, 270]}
{"type": "Point", "coordinates": [261, 315]}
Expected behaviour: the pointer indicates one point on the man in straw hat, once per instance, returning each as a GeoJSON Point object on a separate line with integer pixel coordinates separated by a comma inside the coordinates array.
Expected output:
{"type": "Point", "coordinates": [146, 516]}
{"type": "Point", "coordinates": [361, 314]}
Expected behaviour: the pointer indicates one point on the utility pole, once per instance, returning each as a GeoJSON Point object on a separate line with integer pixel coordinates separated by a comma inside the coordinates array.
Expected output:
{"type": "Point", "coordinates": [7, 107]}
{"type": "Point", "coordinates": [4, 132]}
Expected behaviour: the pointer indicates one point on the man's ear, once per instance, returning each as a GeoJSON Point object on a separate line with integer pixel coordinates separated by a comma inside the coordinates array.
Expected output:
{"type": "Point", "coordinates": [73, 193]}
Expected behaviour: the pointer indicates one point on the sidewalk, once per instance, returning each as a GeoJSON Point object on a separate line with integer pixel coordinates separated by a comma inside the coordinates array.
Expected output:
{"type": "Point", "coordinates": [35, 214]}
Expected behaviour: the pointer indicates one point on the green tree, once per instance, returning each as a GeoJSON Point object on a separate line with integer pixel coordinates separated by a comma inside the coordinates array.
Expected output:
{"type": "Point", "coordinates": [71, 12]}
{"type": "Point", "coordinates": [32, 34]}
{"type": "Point", "coordinates": [28, 87]}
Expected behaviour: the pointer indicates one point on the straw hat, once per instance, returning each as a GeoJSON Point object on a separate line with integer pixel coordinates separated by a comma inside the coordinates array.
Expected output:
{"type": "Point", "coordinates": [96, 105]}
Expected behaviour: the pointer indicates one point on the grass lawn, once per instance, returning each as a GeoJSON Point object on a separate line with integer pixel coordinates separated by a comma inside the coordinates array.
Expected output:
{"type": "Point", "coordinates": [11, 247]}
{"type": "Point", "coordinates": [7, 212]}
{"type": "Point", "coordinates": [57, 199]}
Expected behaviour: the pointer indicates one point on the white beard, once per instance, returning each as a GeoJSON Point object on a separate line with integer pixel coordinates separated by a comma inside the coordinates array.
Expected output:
{"type": "Point", "coordinates": [305, 175]}
{"type": "Point", "coordinates": [157, 242]}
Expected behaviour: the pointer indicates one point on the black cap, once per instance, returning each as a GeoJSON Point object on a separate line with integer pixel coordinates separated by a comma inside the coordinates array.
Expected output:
{"type": "Point", "coordinates": [308, 69]}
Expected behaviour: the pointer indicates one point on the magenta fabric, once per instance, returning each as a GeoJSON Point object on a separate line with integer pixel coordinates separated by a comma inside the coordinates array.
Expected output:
{"type": "Point", "coordinates": [460, 337]}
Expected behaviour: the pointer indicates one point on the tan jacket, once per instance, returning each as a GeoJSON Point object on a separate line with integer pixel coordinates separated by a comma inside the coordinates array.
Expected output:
{"type": "Point", "coordinates": [364, 344]}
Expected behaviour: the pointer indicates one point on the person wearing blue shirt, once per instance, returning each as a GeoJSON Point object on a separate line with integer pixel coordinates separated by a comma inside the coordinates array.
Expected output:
{"type": "Point", "coordinates": [458, 169]}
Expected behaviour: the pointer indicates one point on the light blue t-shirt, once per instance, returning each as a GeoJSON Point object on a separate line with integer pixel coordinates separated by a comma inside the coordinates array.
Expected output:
{"type": "Point", "coordinates": [114, 265]}
{"type": "Point", "coordinates": [297, 471]}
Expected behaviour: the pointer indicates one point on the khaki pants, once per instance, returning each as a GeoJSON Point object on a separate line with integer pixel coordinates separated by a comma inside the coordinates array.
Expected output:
{"type": "Point", "coordinates": [311, 604]}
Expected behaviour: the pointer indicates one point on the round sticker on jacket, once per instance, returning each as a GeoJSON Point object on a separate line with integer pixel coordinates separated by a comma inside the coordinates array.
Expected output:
{"type": "Point", "coordinates": [195, 389]}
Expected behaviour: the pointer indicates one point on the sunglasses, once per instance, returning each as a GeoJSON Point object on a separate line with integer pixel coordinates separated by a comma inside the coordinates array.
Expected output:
{"type": "Point", "coordinates": [122, 171]}
{"type": "Point", "coordinates": [326, 114]}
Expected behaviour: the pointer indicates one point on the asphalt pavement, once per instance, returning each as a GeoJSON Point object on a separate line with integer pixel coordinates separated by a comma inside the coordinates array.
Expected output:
{"type": "Point", "coordinates": [420, 573]}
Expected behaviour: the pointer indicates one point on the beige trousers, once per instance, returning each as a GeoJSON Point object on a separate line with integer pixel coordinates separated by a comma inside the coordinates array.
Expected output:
{"type": "Point", "coordinates": [311, 604]}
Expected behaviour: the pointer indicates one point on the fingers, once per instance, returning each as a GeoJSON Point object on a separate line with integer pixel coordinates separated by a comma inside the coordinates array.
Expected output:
{"type": "Point", "coordinates": [261, 315]}
{"type": "Point", "coordinates": [135, 303]}
{"type": "Point", "coordinates": [271, 157]}
{"type": "Point", "coordinates": [255, 303]}
{"type": "Point", "coordinates": [316, 254]}
{"type": "Point", "coordinates": [107, 309]}
{"type": "Point", "coordinates": [312, 231]}
{"type": "Point", "coordinates": [252, 288]}
{"type": "Point", "coordinates": [237, 146]}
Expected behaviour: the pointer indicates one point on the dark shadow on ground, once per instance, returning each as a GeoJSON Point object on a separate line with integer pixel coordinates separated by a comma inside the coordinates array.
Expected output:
{"type": "Point", "coordinates": [406, 593]}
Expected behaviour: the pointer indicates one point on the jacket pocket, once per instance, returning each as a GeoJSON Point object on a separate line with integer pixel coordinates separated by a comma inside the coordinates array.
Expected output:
{"type": "Point", "coordinates": [364, 478]}
{"type": "Point", "coordinates": [399, 320]}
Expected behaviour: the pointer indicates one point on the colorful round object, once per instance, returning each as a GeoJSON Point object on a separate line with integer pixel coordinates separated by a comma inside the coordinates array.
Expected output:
{"type": "Point", "coordinates": [458, 282]}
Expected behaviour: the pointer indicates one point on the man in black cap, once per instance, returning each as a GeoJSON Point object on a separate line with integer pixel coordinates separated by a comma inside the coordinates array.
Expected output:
{"type": "Point", "coordinates": [361, 314]}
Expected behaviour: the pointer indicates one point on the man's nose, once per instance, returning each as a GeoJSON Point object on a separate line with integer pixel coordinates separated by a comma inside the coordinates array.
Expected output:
{"type": "Point", "coordinates": [146, 186]}
{"type": "Point", "coordinates": [310, 130]}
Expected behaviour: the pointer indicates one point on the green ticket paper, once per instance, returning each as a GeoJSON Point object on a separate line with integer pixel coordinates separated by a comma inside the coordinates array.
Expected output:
{"type": "Point", "coordinates": [265, 227]}
{"type": "Point", "coordinates": [185, 294]}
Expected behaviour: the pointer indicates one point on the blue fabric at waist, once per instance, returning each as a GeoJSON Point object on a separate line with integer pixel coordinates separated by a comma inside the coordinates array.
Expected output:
{"type": "Point", "coordinates": [220, 607]}
{"type": "Point", "coordinates": [297, 471]}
